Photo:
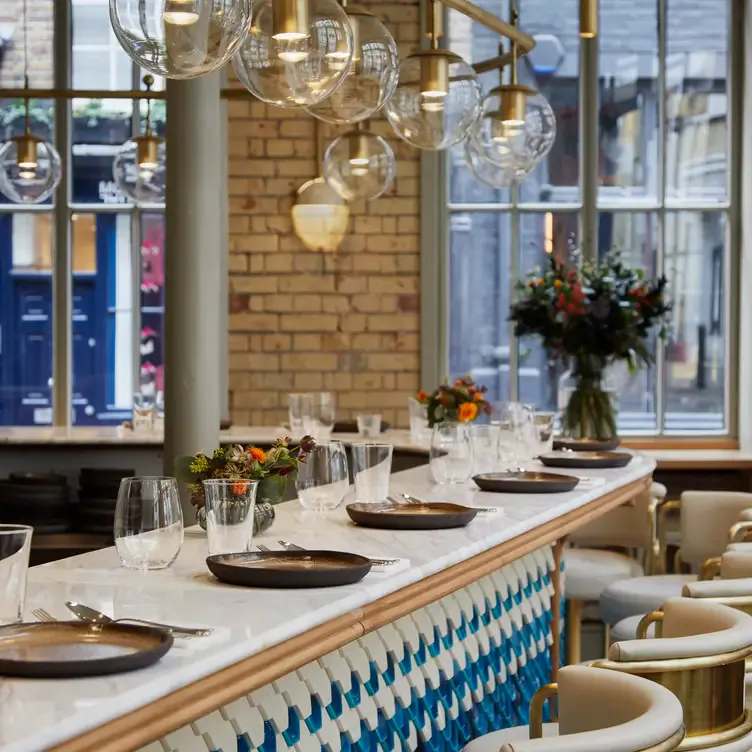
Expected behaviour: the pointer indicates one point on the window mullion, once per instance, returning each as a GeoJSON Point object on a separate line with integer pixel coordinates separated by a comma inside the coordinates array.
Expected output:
{"type": "Point", "coordinates": [660, 261]}
{"type": "Point", "coordinates": [62, 334]}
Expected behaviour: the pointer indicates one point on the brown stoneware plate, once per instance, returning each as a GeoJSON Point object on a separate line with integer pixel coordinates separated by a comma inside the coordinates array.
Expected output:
{"type": "Point", "coordinates": [586, 445]}
{"type": "Point", "coordinates": [525, 482]}
{"type": "Point", "coordinates": [586, 459]}
{"type": "Point", "coordinates": [289, 569]}
{"type": "Point", "coordinates": [72, 649]}
{"type": "Point", "coordinates": [430, 515]}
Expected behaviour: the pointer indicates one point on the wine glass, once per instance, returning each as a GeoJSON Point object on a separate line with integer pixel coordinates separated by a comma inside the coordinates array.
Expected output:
{"type": "Point", "coordinates": [323, 479]}
{"type": "Point", "coordinates": [451, 453]}
{"type": "Point", "coordinates": [323, 414]}
{"type": "Point", "coordinates": [148, 525]}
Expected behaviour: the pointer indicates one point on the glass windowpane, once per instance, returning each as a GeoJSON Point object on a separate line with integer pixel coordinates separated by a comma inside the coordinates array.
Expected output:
{"type": "Point", "coordinates": [152, 303]}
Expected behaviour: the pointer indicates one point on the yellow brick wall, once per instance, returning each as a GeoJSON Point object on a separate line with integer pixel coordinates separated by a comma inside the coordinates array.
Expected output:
{"type": "Point", "coordinates": [304, 321]}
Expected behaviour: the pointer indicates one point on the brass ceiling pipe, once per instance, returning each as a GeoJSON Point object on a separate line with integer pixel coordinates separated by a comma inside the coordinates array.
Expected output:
{"type": "Point", "coordinates": [492, 22]}
{"type": "Point", "coordinates": [588, 19]}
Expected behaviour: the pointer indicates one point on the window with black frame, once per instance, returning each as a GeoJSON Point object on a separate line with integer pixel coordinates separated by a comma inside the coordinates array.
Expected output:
{"type": "Point", "coordinates": [663, 199]}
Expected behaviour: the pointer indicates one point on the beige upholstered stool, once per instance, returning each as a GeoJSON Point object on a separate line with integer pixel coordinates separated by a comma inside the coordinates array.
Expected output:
{"type": "Point", "coordinates": [733, 589]}
{"type": "Point", "coordinates": [701, 659]}
{"type": "Point", "coordinates": [597, 713]}
{"type": "Point", "coordinates": [706, 517]}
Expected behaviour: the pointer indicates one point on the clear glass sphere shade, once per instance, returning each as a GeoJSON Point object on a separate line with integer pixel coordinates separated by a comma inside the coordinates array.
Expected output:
{"type": "Point", "coordinates": [141, 184]}
{"type": "Point", "coordinates": [489, 173]}
{"type": "Point", "coordinates": [29, 185]}
{"type": "Point", "coordinates": [298, 72]}
{"type": "Point", "coordinates": [434, 119]}
{"type": "Point", "coordinates": [180, 38]}
{"type": "Point", "coordinates": [359, 165]}
{"type": "Point", "coordinates": [371, 76]}
{"type": "Point", "coordinates": [522, 143]}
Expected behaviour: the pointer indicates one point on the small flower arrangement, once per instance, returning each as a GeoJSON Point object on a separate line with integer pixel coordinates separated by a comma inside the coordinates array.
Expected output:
{"type": "Point", "coordinates": [245, 463]}
{"type": "Point", "coordinates": [463, 402]}
{"type": "Point", "coordinates": [592, 315]}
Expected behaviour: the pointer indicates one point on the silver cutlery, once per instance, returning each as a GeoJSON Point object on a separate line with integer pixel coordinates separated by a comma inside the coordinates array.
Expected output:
{"type": "Point", "coordinates": [41, 615]}
{"type": "Point", "coordinates": [263, 548]}
{"type": "Point", "coordinates": [376, 562]}
{"type": "Point", "coordinates": [92, 616]}
{"type": "Point", "coordinates": [413, 500]}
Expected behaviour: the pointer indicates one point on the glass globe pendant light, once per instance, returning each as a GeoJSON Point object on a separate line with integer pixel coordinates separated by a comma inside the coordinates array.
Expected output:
{"type": "Point", "coordinates": [359, 165]}
{"type": "Point", "coordinates": [438, 94]}
{"type": "Point", "coordinates": [297, 51]}
{"type": "Point", "coordinates": [371, 76]}
{"type": "Point", "coordinates": [517, 126]}
{"type": "Point", "coordinates": [180, 38]}
{"type": "Point", "coordinates": [490, 173]}
{"type": "Point", "coordinates": [30, 168]}
{"type": "Point", "coordinates": [139, 167]}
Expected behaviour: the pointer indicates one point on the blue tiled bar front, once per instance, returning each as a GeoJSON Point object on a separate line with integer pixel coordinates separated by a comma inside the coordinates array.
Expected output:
{"type": "Point", "coordinates": [458, 668]}
{"type": "Point", "coordinates": [425, 655]}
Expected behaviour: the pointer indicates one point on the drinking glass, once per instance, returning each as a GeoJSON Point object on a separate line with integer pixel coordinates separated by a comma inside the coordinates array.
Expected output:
{"type": "Point", "coordinates": [544, 432]}
{"type": "Point", "coordinates": [517, 435]}
{"type": "Point", "coordinates": [323, 479]}
{"type": "Point", "coordinates": [230, 511]}
{"type": "Point", "coordinates": [143, 412]}
{"type": "Point", "coordinates": [300, 414]}
{"type": "Point", "coordinates": [324, 412]}
{"type": "Point", "coordinates": [451, 453]}
{"type": "Point", "coordinates": [15, 544]}
{"type": "Point", "coordinates": [485, 439]}
{"type": "Point", "coordinates": [369, 425]}
{"type": "Point", "coordinates": [372, 466]}
{"type": "Point", "coordinates": [420, 433]}
{"type": "Point", "coordinates": [148, 522]}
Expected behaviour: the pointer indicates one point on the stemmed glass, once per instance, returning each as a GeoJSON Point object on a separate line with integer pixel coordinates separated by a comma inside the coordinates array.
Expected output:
{"type": "Point", "coordinates": [451, 453]}
{"type": "Point", "coordinates": [148, 525]}
{"type": "Point", "coordinates": [323, 479]}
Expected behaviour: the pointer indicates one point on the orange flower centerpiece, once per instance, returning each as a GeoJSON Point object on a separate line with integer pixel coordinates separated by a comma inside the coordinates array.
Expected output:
{"type": "Point", "coordinates": [245, 464]}
{"type": "Point", "coordinates": [463, 402]}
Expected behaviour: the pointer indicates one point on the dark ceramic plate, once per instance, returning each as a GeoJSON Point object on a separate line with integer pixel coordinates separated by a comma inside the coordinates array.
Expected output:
{"type": "Point", "coordinates": [586, 459]}
{"type": "Point", "coordinates": [437, 515]}
{"type": "Point", "coordinates": [586, 445]}
{"type": "Point", "coordinates": [525, 482]}
{"type": "Point", "coordinates": [289, 569]}
{"type": "Point", "coordinates": [72, 649]}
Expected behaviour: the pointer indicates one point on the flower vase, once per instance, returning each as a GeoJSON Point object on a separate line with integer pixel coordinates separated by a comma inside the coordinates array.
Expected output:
{"type": "Point", "coordinates": [263, 517]}
{"type": "Point", "coordinates": [588, 402]}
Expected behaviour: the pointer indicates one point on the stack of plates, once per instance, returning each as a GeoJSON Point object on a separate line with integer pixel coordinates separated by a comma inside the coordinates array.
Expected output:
{"type": "Point", "coordinates": [97, 498]}
{"type": "Point", "coordinates": [40, 500]}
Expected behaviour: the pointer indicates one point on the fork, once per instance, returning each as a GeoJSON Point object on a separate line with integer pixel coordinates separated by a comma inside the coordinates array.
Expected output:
{"type": "Point", "coordinates": [376, 562]}
{"type": "Point", "coordinates": [41, 615]}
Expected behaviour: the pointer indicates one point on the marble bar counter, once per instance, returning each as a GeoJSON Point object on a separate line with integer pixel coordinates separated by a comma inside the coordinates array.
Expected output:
{"type": "Point", "coordinates": [429, 654]}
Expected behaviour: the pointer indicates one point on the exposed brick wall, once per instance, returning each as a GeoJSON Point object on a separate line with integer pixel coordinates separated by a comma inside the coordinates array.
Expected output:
{"type": "Point", "coordinates": [40, 43]}
{"type": "Point", "coordinates": [345, 322]}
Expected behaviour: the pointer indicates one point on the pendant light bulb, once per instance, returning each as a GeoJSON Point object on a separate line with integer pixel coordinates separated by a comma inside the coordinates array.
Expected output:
{"type": "Point", "coordinates": [359, 165]}
{"type": "Point", "coordinates": [27, 152]}
{"type": "Point", "coordinates": [434, 81]}
{"type": "Point", "coordinates": [290, 20]}
{"type": "Point", "coordinates": [180, 12]}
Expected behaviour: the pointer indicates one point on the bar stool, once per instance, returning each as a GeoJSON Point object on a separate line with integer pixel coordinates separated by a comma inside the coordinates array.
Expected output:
{"type": "Point", "coordinates": [735, 569]}
{"type": "Point", "coordinates": [701, 659]}
{"type": "Point", "coordinates": [706, 517]}
{"type": "Point", "coordinates": [597, 712]}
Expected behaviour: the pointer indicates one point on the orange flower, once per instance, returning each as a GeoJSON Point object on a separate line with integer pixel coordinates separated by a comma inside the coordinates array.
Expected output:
{"type": "Point", "coordinates": [557, 284]}
{"type": "Point", "coordinates": [458, 382]}
{"type": "Point", "coordinates": [422, 396]}
{"type": "Point", "coordinates": [257, 454]}
{"type": "Point", "coordinates": [239, 486]}
{"type": "Point", "coordinates": [468, 411]}
{"type": "Point", "coordinates": [478, 397]}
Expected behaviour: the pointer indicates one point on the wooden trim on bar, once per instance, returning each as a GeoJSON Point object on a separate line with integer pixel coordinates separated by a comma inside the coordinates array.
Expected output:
{"type": "Point", "coordinates": [673, 443]}
{"type": "Point", "coordinates": [181, 707]}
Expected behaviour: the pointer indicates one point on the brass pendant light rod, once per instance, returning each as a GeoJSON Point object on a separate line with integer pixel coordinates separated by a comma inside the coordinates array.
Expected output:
{"type": "Point", "coordinates": [524, 41]}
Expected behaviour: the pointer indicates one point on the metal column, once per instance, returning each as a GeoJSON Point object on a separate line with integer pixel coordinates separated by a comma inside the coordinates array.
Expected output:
{"type": "Point", "coordinates": [589, 152]}
{"type": "Point", "coordinates": [193, 285]}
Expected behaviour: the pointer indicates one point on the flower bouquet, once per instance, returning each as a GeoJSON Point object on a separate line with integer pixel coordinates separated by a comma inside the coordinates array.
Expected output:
{"type": "Point", "coordinates": [463, 402]}
{"type": "Point", "coordinates": [592, 315]}
{"type": "Point", "coordinates": [244, 464]}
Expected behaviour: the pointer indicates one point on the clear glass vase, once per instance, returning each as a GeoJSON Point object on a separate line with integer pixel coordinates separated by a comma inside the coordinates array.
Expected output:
{"type": "Point", "coordinates": [588, 400]}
